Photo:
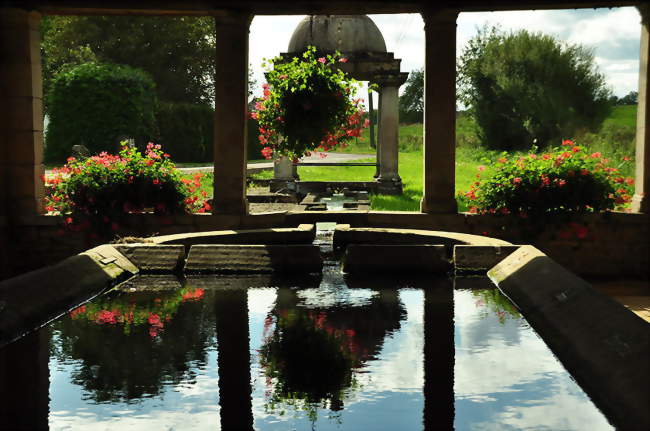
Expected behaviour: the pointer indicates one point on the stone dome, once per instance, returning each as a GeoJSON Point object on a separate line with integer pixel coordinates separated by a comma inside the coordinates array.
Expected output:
{"type": "Point", "coordinates": [349, 34]}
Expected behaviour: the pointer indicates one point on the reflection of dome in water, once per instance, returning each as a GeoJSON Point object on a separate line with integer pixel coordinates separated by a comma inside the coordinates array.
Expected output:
{"type": "Point", "coordinates": [345, 33]}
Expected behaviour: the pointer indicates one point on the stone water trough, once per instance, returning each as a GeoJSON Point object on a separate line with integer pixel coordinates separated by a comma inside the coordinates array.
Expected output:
{"type": "Point", "coordinates": [604, 346]}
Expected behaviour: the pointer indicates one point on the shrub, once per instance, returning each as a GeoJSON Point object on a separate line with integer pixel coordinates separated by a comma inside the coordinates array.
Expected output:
{"type": "Point", "coordinates": [94, 194]}
{"type": "Point", "coordinates": [524, 87]}
{"type": "Point", "coordinates": [307, 105]}
{"type": "Point", "coordinates": [97, 105]}
{"type": "Point", "coordinates": [186, 131]}
{"type": "Point", "coordinates": [563, 180]}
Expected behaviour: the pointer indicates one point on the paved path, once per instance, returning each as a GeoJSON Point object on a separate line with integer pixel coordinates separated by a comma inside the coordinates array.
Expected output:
{"type": "Point", "coordinates": [260, 166]}
{"type": "Point", "coordinates": [314, 158]}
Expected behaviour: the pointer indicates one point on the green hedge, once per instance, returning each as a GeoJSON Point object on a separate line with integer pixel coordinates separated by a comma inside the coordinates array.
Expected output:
{"type": "Point", "coordinates": [97, 105]}
{"type": "Point", "coordinates": [186, 132]}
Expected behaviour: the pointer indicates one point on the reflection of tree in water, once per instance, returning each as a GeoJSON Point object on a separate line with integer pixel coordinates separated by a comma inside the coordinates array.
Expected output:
{"type": "Point", "coordinates": [310, 356]}
{"type": "Point", "coordinates": [122, 360]}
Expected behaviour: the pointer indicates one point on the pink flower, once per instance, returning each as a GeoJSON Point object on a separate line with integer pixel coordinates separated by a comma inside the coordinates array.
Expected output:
{"type": "Point", "coordinates": [481, 168]}
{"type": "Point", "coordinates": [322, 60]}
{"type": "Point", "coordinates": [343, 60]}
{"type": "Point", "coordinates": [516, 180]}
{"type": "Point", "coordinates": [567, 142]}
{"type": "Point", "coordinates": [596, 155]}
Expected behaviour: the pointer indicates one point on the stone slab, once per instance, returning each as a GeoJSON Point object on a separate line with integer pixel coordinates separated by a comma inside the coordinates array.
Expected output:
{"type": "Point", "coordinates": [605, 346]}
{"type": "Point", "coordinates": [150, 283]}
{"type": "Point", "coordinates": [344, 235]}
{"type": "Point", "coordinates": [410, 258]}
{"type": "Point", "coordinates": [303, 234]}
{"type": "Point", "coordinates": [30, 300]}
{"type": "Point", "coordinates": [153, 257]}
{"type": "Point", "coordinates": [234, 259]}
{"type": "Point", "coordinates": [480, 258]}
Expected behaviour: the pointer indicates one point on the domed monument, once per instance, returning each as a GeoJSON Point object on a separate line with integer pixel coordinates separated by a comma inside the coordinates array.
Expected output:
{"type": "Point", "coordinates": [359, 40]}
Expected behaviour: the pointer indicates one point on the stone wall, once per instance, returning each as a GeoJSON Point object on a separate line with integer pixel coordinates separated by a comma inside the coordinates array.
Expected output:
{"type": "Point", "coordinates": [611, 244]}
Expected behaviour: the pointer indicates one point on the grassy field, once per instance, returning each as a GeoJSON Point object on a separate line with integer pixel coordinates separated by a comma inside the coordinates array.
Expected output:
{"type": "Point", "coordinates": [615, 140]}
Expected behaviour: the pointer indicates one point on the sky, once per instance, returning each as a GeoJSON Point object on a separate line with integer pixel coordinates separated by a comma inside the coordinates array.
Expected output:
{"type": "Point", "coordinates": [613, 33]}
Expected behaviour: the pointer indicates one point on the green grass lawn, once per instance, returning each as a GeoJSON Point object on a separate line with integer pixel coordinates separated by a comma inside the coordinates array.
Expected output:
{"type": "Point", "coordinates": [624, 115]}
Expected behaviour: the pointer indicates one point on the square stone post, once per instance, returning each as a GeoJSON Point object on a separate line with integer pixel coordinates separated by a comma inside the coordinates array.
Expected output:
{"type": "Point", "coordinates": [439, 112]}
{"type": "Point", "coordinates": [231, 99]}
{"type": "Point", "coordinates": [642, 158]}
{"type": "Point", "coordinates": [21, 125]}
{"type": "Point", "coordinates": [388, 142]}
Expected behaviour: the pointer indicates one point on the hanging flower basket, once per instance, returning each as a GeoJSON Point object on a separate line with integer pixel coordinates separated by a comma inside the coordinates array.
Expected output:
{"type": "Point", "coordinates": [307, 104]}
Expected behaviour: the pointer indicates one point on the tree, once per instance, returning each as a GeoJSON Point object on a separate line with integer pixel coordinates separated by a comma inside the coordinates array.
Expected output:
{"type": "Point", "coordinates": [178, 52]}
{"type": "Point", "coordinates": [524, 88]}
{"type": "Point", "coordinates": [629, 99]}
{"type": "Point", "coordinates": [411, 102]}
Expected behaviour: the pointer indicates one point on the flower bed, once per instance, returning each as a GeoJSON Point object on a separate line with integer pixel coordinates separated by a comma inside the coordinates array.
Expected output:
{"type": "Point", "coordinates": [94, 193]}
{"type": "Point", "coordinates": [564, 180]}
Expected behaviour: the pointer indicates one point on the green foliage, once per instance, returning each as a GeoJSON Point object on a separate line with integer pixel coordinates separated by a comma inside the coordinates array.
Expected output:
{"type": "Point", "coordinates": [411, 102]}
{"type": "Point", "coordinates": [186, 131]}
{"type": "Point", "coordinates": [97, 105]}
{"type": "Point", "coordinates": [524, 88]}
{"type": "Point", "coordinates": [178, 52]}
{"type": "Point", "coordinates": [307, 105]}
{"type": "Point", "coordinates": [629, 99]}
{"type": "Point", "coordinates": [563, 180]}
{"type": "Point", "coordinates": [95, 193]}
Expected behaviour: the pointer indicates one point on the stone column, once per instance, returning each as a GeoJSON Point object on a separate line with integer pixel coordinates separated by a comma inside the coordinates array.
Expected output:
{"type": "Point", "coordinates": [439, 355]}
{"type": "Point", "coordinates": [388, 142]}
{"type": "Point", "coordinates": [439, 112]}
{"type": "Point", "coordinates": [25, 382]}
{"type": "Point", "coordinates": [642, 180]}
{"type": "Point", "coordinates": [233, 357]}
{"type": "Point", "coordinates": [21, 125]}
{"type": "Point", "coordinates": [231, 99]}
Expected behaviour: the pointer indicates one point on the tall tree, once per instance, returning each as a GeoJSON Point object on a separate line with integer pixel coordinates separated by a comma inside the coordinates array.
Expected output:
{"type": "Point", "coordinates": [411, 102]}
{"type": "Point", "coordinates": [178, 52]}
{"type": "Point", "coordinates": [524, 88]}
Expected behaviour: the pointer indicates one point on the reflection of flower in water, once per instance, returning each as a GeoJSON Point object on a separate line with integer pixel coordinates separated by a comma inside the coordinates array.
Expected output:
{"type": "Point", "coordinates": [308, 362]}
{"type": "Point", "coordinates": [193, 295]}
{"type": "Point", "coordinates": [493, 300]}
{"type": "Point", "coordinates": [123, 310]}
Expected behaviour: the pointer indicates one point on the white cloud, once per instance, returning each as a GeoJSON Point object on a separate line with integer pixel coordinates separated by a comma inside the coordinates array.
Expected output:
{"type": "Point", "coordinates": [613, 33]}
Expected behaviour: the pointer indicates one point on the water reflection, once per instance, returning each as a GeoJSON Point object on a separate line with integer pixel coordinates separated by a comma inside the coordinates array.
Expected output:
{"type": "Point", "coordinates": [312, 350]}
{"type": "Point", "coordinates": [129, 344]}
{"type": "Point", "coordinates": [266, 353]}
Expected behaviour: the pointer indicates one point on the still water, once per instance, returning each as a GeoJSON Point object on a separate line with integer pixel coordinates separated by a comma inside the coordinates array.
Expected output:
{"type": "Point", "coordinates": [318, 353]}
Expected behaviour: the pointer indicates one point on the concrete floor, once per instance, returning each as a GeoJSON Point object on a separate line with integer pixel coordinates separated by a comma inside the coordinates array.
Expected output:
{"type": "Point", "coordinates": [634, 294]}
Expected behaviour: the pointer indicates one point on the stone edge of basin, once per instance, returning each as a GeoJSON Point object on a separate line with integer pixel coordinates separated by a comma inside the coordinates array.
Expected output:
{"type": "Point", "coordinates": [304, 233]}
{"type": "Point", "coordinates": [252, 258]}
{"type": "Point", "coordinates": [30, 300]}
{"type": "Point", "coordinates": [344, 235]}
{"type": "Point", "coordinates": [465, 253]}
{"type": "Point", "coordinates": [605, 346]}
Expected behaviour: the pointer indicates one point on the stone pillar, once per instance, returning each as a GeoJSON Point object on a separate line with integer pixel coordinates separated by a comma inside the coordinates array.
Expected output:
{"type": "Point", "coordinates": [21, 125]}
{"type": "Point", "coordinates": [439, 112]}
{"type": "Point", "coordinates": [25, 382]}
{"type": "Point", "coordinates": [388, 142]}
{"type": "Point", "coordinates": [439, 355]}
{"type": "Point", "coordinates": [231, 99]}
{"type": "Point", "coordinates": [233, 357]}
{"type": "Point", "coordinates": [642, 180]}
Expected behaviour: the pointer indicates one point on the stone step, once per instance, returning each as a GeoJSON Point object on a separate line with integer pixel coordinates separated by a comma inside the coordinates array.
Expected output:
{"type": "Point", "coordinates": [405, 258]}
{"type": "Point", "coordinates": [233, 259]}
